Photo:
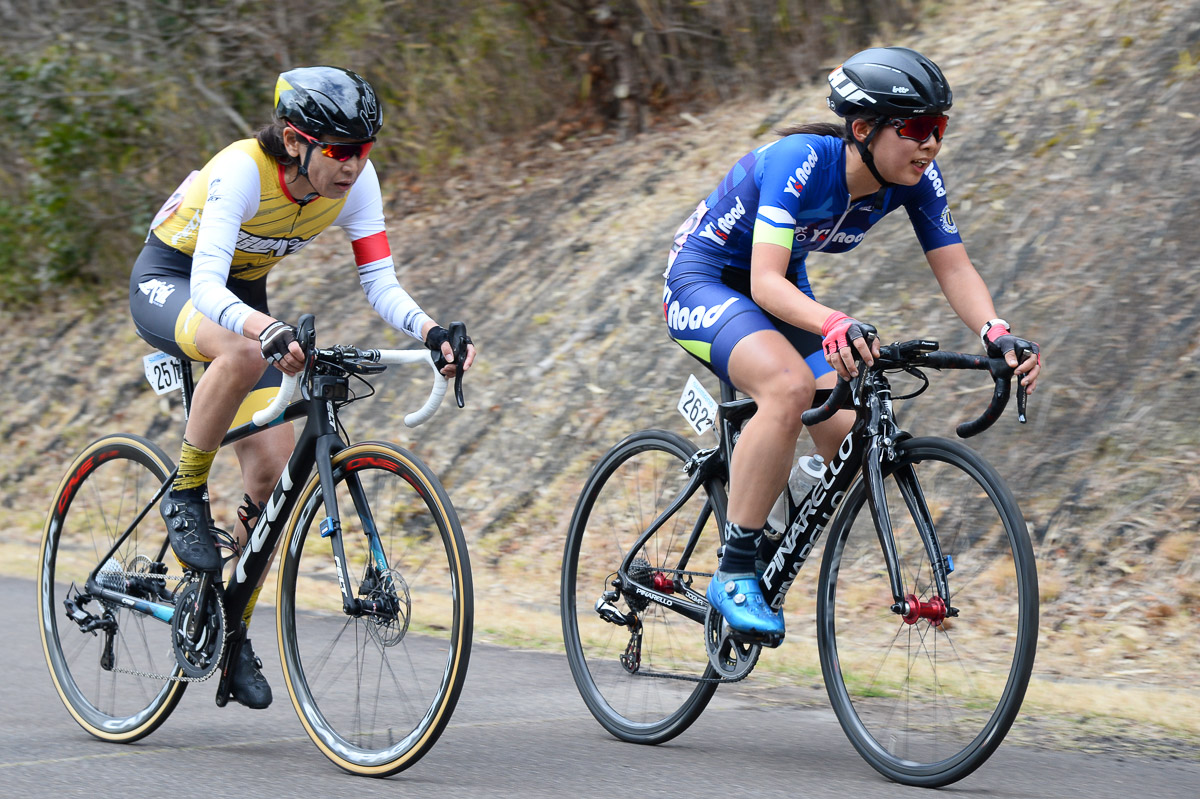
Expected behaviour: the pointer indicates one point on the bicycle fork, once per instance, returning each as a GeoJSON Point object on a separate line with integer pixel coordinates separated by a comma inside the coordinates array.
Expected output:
{"type": "Point", "coordinates": [883, 437]}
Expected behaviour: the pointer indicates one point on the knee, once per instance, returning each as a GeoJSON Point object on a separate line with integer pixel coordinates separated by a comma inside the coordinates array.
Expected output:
{"type": "Point", "coordinates": [787, 398]}
{"type": "Point", "coordinates": [242, 362]}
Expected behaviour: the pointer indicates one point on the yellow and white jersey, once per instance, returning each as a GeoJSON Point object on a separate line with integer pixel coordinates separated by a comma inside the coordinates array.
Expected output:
{"type": "Point", "coordinates": [277, 224]}
{"type": "Point", "coordinates": [237, 219]}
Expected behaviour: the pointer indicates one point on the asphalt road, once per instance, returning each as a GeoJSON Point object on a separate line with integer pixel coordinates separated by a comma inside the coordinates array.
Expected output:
{"type": "Point", "coordinates": [520, 729]}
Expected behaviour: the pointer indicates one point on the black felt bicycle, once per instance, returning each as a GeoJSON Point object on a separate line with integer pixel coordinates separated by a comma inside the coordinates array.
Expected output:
{"type": "Point", "coordinates": [927, 601]}
{"type": "Point", "coordinates": [374, 601]}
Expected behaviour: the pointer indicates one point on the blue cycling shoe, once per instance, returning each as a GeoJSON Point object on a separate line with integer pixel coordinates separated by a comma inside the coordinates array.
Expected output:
{"type": "Point", "coordinates": [738, 598]}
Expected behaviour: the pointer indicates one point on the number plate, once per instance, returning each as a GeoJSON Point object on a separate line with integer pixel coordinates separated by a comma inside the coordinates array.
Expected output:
{"type": "Point", "coordinates": [697, 405]}
{"type": "Point", "coordinates": [164, 372]}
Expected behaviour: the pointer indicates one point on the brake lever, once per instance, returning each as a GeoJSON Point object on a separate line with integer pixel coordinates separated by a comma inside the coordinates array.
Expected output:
{"type": "Point", "coordinates": [458, 342]}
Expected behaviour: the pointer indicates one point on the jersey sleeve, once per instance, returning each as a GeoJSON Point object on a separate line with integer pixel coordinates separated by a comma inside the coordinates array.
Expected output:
{"type": "Point", "coordinates": [929, 211]}
{"type": "Point", "coordinates": [787, 167]}
{"type": "Point", "coordinates": [232, 198]}
{"type": "Point", "coordinates": [362, 219]}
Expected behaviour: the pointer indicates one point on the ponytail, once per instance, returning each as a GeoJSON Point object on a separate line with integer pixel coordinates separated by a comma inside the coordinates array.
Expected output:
{"type": "Point", "coordinates": [270, 139]}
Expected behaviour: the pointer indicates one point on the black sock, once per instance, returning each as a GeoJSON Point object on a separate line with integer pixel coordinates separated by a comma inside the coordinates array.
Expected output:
{"type": "Point", "coordinates": [741, 545]}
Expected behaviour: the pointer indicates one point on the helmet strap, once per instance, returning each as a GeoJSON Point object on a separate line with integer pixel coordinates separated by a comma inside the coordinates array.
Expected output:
{"type": "Point", "coordinates": [302, 172]}
{"type": "Point", "coordinates": [864, 151]}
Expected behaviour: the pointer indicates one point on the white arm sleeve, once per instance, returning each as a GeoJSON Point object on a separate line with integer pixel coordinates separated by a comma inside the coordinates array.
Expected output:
{"type": "Point", "coordinates": [362, 219]}
{"type": "Point", "coordinates": [233, 197]}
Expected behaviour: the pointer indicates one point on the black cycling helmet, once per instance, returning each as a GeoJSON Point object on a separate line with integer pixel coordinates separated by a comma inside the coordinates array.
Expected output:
{"type": "Point", "coordinates": [883, 83]}
{"type": "Point", "coordinates": [328, 101]}
{"type": "Point", "coordinates": [888, 82]}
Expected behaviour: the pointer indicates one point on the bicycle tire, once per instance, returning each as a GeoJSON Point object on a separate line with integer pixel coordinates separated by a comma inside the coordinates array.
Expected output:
{"type": "Point", "coordinates": [374, 693]}
{"type": "Point", "coordinates": [927, 704]}
{"type": "Point", "coordinates": [625, 492]}
{"type": "Point", "coordinates": [105, 487]}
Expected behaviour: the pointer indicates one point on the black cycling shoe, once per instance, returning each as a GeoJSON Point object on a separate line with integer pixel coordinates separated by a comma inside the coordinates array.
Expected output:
{"type": "Point", "coordinates": [189, 528]}
{"type": "Point", "coordinates": [247, 684]}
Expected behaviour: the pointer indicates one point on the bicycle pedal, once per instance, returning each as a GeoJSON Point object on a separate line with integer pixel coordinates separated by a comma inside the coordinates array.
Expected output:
{"type": "Point", "coordinates": [767, 640]}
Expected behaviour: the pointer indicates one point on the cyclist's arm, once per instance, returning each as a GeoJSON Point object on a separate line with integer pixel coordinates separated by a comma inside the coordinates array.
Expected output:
{"type": "Point", "coordinates": [362, 219]}
{"type": "Point", "coordinates": [233, 197]}
{"type": "Point", "coordinates": [969, 297]}
{"type": "Point", "coordinates": [774, 293]}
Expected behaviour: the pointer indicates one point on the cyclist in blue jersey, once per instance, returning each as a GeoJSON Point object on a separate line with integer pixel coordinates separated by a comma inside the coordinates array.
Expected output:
{"type": "Point", "coordinates": [737, 296]}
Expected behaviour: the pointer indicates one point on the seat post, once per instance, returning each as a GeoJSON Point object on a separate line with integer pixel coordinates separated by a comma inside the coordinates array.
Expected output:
{"type": "Point", "coordinates": [188, 387]}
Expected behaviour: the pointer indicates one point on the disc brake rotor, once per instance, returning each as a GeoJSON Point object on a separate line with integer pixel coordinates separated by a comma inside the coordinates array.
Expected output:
{"type": "Point", "coordinates": [389, 593]}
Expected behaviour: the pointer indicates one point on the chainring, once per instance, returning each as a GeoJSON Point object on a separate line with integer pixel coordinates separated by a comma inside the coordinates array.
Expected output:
{"type": "Point", "coordinates": [732, 659]}
{"type": "Point", "coordinates": [198, 657]}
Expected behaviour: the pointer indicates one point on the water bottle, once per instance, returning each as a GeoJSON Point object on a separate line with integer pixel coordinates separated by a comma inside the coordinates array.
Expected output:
{"type": "Point", "coordinates": [806, 473]}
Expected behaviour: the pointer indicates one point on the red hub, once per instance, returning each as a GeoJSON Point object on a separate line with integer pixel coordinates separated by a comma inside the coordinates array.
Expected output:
{"type": "Point", "coordinates": [663, 583]}
{"type": "Point", "coordinates": [934, 610]}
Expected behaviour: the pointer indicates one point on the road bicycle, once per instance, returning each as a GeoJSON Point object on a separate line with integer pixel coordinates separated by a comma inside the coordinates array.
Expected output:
{"type": "Point", "coordinates": [927, 600]}
{"type": "Point", "coordinates": [374, 601]}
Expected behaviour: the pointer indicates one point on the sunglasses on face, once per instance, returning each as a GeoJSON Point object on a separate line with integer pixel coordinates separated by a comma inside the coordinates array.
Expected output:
{"type": "Point", "coordinates": [338, 151]}
{"type": "Point", "coordinates": [920, 128]}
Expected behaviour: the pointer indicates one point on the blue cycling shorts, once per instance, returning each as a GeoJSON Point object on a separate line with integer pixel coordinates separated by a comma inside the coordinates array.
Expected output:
{"type": "Point", "coordinates": [708, 311]}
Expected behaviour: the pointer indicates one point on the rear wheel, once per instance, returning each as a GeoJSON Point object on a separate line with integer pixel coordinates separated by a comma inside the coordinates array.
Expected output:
{"type": "Point", "coordinates": [375, 688]}
{"type": "Point", "coordinates": [105, 674]}
{"type": "Point", "coordinates": [927, 702]}
{"type": "Point", "coordinates": [647, 680]}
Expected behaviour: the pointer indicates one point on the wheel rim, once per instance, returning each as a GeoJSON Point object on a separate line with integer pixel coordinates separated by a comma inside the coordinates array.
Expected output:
{"type": "Point", "coordinates": [105, 489]}
{"type": "Point", "coordinates": [918, 697]}
{"type": "Point", "coordinates": [636, 487]}
{"type": "Point", "coordinates": [374, 692]}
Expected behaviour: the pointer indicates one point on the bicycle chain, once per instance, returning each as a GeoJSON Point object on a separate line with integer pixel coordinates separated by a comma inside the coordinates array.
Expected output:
{"type": "Point", "coordinates": [172, 677]}
{"type": "Point", "coordinates": [684, 678]}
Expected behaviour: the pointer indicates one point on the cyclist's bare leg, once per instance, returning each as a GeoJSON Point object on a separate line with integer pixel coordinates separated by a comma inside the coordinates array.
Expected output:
{"type": "Point", "coordinates": [828, 435]}
{"type": "Point", "coordinates": [766, 366]}
{"type": "Point", "coordinates": [262, 457]}
{"type": "Point", "coordinates": [237, 364]}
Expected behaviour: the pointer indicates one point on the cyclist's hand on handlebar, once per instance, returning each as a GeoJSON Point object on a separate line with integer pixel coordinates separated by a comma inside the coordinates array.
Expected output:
{"type": "Point", "coordinates": [454, 348]}
{"type": "Point", "coordinates": [846, 341]}
{"type": "Point", "coordinates": [1021, 354]}
{"type": "Point", "coordinates": [278, 345]}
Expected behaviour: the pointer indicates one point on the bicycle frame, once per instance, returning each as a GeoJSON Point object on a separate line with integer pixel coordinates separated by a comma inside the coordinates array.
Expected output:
{"type": "Point", "coordinates": [868, 449]}
{"type": "Point", "coordinates": [318, 444]}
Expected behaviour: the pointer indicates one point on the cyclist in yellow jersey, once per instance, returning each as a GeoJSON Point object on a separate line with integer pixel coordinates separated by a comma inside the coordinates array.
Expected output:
{"type": "Point", "coordinates": [198, 291]}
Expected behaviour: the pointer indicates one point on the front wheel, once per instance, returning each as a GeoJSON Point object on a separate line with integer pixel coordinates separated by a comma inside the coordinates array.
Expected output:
{"type": "Point", "coordinates": [927, 702]}
{"type": "Point", "coordinates": [376, 686]}
{"type": "Point", "coordinates": [641, 668]}
{"type": "Point", "coordinates": [111, 662]}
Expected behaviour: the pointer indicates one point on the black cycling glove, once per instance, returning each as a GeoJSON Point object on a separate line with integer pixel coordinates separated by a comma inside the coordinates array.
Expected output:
{"type": "Point", "coordinates": [275, 340]}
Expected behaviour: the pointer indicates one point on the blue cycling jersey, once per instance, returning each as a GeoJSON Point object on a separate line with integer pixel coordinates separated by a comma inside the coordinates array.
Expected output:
{"type": "Point", "coordinates": [792, 192]}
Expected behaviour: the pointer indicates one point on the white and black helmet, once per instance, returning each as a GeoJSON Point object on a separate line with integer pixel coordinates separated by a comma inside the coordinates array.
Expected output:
{"type": "Point", "coordinates": [888, 82]}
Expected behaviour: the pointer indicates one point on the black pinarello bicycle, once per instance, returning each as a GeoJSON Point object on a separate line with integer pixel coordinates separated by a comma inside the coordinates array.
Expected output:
{"type": "Point", "coordinates": [927, 600]}
{"type": "Point", "coordinates": [374, 601]}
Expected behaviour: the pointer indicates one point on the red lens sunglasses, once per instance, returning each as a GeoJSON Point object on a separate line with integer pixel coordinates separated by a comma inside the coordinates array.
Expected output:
{"type": "Point", "coordinates": [919, 128]}
{"type": "Point", "coordinates": [338, 151]}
